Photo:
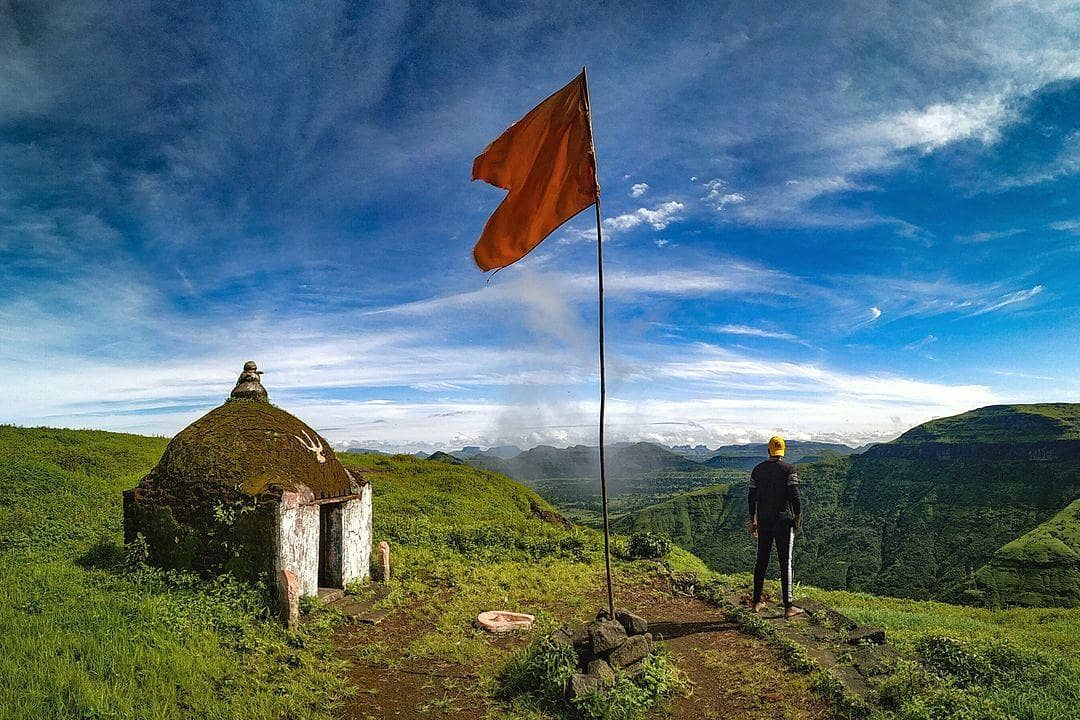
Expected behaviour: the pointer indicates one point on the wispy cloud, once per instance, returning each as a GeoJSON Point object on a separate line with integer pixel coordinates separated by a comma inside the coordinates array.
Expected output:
{"type": "Point", "coordinates": [920, 345]}
{"type": "Point", "coordinates": [638, 189]}
{"type": "Point", "coordinates": [1013, 298]}
{"type": "Point", "coordinates": [752, 331]}
{"type": "Point", "coordinates": [989, 235]}
{"type": "Point", "coordinates": [872, 316]}
{"type": "Point", "coordinates": [1069, 226]}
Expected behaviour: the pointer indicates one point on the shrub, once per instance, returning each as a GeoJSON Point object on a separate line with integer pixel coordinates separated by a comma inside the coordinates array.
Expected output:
{"type": "Point", "coordinates": [628, 699]}
{"type": "Point", "coordinates": [539, 675]}
{"type": "Point", "coordinates": [647, 546]}
{"type": "Point", "coordinates": [540, 672]}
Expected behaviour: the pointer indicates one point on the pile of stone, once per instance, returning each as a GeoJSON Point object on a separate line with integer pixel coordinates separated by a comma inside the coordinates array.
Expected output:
{"type": "Point", "coordinates": [604, 646]}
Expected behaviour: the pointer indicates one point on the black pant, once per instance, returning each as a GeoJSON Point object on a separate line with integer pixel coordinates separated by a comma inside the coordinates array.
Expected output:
{"type": "Point", "coordinates": [784, 535]}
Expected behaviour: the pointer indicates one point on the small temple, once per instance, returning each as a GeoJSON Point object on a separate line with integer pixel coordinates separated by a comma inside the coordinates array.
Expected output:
{"type": "Point", "coordinates": [252, 490]}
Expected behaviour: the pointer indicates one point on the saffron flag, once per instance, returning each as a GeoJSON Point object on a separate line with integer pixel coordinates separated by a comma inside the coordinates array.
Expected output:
{"type": "Point", "coordinates": [546, 162]}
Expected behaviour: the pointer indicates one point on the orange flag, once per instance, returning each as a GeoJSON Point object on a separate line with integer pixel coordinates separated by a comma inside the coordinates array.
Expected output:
{"type": "Point", "coordinates": [546, 162]}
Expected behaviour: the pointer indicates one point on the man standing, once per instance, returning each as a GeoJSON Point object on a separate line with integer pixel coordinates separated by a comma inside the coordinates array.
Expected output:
{"type": "Point", "coordinates": [775, 513]}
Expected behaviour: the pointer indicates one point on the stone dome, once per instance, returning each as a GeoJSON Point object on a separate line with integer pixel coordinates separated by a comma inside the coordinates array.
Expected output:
{"type": "Point", "coordinates": [251, 446]}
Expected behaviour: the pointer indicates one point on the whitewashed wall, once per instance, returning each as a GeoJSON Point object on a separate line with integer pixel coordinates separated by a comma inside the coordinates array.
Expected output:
{"type": "Point", "coordinates": [356, 537]}
{"type": "Point", "coordinates": [298, 540]}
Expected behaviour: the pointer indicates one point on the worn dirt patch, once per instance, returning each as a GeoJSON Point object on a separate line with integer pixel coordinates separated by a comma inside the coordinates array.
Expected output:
{"type": "Point", "coordinates": [388, 686]}
{"type": "Point", "coordinates": [733, 676]}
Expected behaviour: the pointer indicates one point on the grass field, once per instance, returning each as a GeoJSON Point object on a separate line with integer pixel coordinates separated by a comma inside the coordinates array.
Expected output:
{"type": "Point", "coordinates": [87, 632]}
{"type": "Point", "coordinates": [1032, 655]}
{"type": "Point", "coordinates": [85, 638]}
{"type": "Point", "coordinates": [1020, 663]}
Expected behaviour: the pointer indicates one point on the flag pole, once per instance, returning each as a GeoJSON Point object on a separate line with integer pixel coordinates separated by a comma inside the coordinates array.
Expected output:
{"type": "Point", "coordinates": [603, 378]}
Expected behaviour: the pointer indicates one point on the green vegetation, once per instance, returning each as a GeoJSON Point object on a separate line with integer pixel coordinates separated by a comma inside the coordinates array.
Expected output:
{"type": "Point", "coordinates": [89, 633]}
{"type": "Point", "coordinates": [995, 664]}
{"type": "Point", "coordinates": [647, 546]}
{"type": "Point", "coordinates": [1001, 424]}
{"type": "Point", "coordinates": [694, 521]}
{"type": "Point", "coordinates": [538, 677]}
{"type": "Point", "coordinates": [1040, 568]}
{"type": "Point", "coordinates": [905, 520]}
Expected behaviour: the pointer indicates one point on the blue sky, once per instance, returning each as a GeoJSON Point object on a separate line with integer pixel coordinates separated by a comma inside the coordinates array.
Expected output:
{"type": "Point", "coordinates": [832, 223]}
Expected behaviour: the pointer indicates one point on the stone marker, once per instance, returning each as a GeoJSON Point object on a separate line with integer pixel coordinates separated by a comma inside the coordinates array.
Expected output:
{"type": "Point", "coordinates": [384, 561]}
{"type": "Point", "coordinates": [289, 591]}
{"type": "Point", "coordinates": [606, 635]}
{"type": "Point", "coordinates": [634, 649]}
{"type": "Point", "coordinates": [868, 634]}
{"type": "Point", "coordinates": [634, 624]}
{"type": "Point", "coordinates": [581, 685]}
{"type": "Point", "coordinates": [600, 669]}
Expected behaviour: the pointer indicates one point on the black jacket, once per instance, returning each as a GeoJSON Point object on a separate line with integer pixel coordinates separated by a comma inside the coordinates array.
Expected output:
{"type": "Point", "coordinates": [774, 494]}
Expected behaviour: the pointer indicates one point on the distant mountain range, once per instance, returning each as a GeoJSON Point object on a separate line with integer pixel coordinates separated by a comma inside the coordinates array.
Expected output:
{"type": "Point", "coordinates": [981, 507]}
{"type": "Point", "coordinates": [547, 462]}
{"type": "Point", "coordinates": [745, 457]}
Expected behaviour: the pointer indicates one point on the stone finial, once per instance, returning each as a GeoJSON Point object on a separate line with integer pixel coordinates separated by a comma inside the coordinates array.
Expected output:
{"type": "Point", "coordinates": [249, 385]}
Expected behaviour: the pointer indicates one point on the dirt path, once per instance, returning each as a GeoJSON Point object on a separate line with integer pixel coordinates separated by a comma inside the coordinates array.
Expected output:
{"type": "Point", "coordinates": [733, 676]}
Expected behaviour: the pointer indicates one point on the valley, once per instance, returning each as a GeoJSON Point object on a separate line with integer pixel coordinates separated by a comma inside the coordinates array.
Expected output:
{"type": "Point", "coordinates": [951, 510]}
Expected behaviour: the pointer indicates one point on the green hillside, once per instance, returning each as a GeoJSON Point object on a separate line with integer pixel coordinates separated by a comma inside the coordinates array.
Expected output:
{"type": "Point", "coordinates": [1001, 424]}
{"type": "Point", "coordinates": [88, 632]}
{"type": "Point", "coordinates": [86, 635]}
{"type": "Point", "coordinates": [692, 520]}
{"type": "Point", "coordinates": [1040, 568]}
{"type": "Point", "coordinates": [91, 633]}
{"type": "Point", "coordinates": [908, 519]}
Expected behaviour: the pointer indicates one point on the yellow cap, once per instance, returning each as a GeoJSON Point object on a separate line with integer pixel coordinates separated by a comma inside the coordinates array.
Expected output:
{"type": "Point", "coordinates": [777, 446]}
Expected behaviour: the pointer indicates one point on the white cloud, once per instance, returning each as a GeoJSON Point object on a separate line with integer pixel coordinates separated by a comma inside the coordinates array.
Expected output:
{"type": "Point", "coordinates": [1013, 298]}
{"type": "Point", "coordinates": [920, 344]}
{"type": "Point", "coordinates": [660, 242]}
{"type": "Point", "coordinates": [755, 332]}
{"type": "Point", "coordinates": [719, 396]}
{"type": "Point", "coordinates": [939, 124]}
{"type": "Point", "coordinates": [639, 189]}
{"type": "Point", "coordinates": [988, 236]}
{"type": "Point", "coordinates": [657, 218]}
{"type": "Point", "coordinates": [1069, 226]}
{"type": "Point", "coordinates": [716, 193]}
{"type": "Point", "coordinates": [873, 315]}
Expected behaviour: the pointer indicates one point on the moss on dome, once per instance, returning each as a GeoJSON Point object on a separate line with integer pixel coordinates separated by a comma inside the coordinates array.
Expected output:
{"type": "Point", "coordinates": [251, 446]}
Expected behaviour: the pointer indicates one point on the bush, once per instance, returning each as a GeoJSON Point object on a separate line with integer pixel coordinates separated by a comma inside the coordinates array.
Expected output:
{"type": "Point", "coordinates": [540, 673]}
{"type": "Point", "coordinates": [647, 546]}
{"type": "Point", "coordinates": [628, 699]}
{"type": "Point", "coordinates": [538, 678]}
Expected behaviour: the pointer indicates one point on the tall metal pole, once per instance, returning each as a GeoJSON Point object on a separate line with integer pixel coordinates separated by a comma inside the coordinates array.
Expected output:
{"type": "Point", "coordinates": [603, 377]}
